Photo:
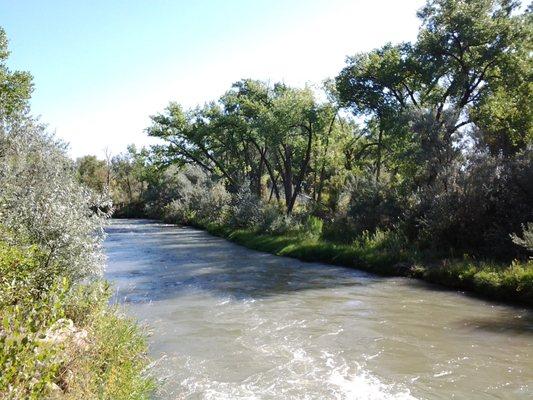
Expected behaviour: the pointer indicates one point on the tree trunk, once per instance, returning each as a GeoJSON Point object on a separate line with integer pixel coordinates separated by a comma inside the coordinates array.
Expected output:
{"type": "Point", "coordinates": [287, 179]}
{"type": "Point", "coordinates": [380, 147]}
{"type": "Point", "coordinates": [303, 169]}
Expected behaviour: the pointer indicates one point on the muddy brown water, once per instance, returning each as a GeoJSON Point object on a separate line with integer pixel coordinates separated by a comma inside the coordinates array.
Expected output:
{"type": "Point", "coordinates": [231, 323]}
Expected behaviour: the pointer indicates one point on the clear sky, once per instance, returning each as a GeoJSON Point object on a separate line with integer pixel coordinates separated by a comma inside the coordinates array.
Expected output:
{"type": "Point", "coordinates": [102, 67]}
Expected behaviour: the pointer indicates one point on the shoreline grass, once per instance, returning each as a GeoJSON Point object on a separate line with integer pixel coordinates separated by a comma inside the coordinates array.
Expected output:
{"type": "Point", "coordinates": [61, 339]}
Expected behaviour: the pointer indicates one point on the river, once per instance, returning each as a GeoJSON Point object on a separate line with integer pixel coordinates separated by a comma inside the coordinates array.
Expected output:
{"type": "Point", "coordinates": [231, 323]}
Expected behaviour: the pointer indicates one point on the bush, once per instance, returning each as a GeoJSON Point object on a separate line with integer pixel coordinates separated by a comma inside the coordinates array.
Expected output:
{"type": "Point", "coordinates": [199, 200]}
{"type": "Point", "coordinates": [340, 229]}
{"type": "Point", "coordinates": [283, 224]}
{"type": "Point", "coordinates": [41, 200]}
{"type": "Point", "coordinates": [245, 209]}
{"type": "Point", "coordinates": [477, 209]}
{"type": "Point", "coordinates": [58, 336]}
{"type": "Point", "coordinates": [55, 332]}
{"type": "Point", "coordinates": [270, 214]}
{"type": "Point", "coordinates": [512, 282]}
{"type": "Point", "coordinates": [373, 205]}
{"type": "Point", "coordinates": [213, 207]}
{"type": "Point", "coordinates": [313, 227]}
{"type": "Point", "coordinates": [391, 241]}
{"type": "Point", "coordinates": [164, 187]}
{"type": "Point", "coordinates": [59, 339]}
{"type": "Point", "coordinates": [526, 241]}
{"type": "Point", "coordinates": [178, 212]}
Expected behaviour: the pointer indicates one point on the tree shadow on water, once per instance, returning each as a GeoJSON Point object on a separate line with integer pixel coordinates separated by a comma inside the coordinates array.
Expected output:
{"type": "Point", "coordinates": [506, 323]}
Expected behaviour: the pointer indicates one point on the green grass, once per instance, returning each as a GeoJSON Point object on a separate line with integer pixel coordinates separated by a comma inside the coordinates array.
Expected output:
{"type": "Point", "coordinates": [498, 281]}
{"type": "Point", "coordinates": [512, 282]}
{"type": "Point", "coordinates": [374, 259]}
{"type": "Point", "coordinates": [62, 340]}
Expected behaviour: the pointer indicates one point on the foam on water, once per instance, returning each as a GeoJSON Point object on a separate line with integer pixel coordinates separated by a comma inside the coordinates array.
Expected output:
{"type": "Point", "coordinates": [335, 382]}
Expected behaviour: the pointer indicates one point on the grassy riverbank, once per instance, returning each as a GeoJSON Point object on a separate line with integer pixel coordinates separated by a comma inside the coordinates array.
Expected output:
{"type": "Point", "coordinates": [62, 340]}
{"type": "Point", "coordinates": [495, 280]}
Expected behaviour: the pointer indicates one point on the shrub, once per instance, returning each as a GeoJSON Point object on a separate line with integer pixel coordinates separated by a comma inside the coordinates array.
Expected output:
{"type": "Point", "coordinates": [392, 241]}
{"type": "Point", "coordinates": [41, 200]}
{"type": "Point", "coordinates": [213, 207]}
{"type": "Point", "coordinates": [526, 241]}
{"type": "Point", "coordinates": [340, 229]}
{"type": "Point", "coordinates": [178, 212]}
{"type": "Point", "coordinates": [58, 337]}
{"type": "Point", "coordinates": [245, 209]}
{"type": "Point", "coordinates": [313, 227]}
{"type": "Point", "coordinates": [270, 214]}
{"type": "Point", "coordinates": [283, 224]}
{"type": "Point", "coordinates": [476, 209]}
{"type": "Point", "coordinates": [61, 340]}
{"type": "Point", "coordinates": [373, 205]}
{"type": "Point", "coordinates": [199, 200]}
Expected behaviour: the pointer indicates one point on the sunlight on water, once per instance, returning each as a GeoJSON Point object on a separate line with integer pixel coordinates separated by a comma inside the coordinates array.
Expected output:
{"type": "Point", "coordinates": [230, 323]}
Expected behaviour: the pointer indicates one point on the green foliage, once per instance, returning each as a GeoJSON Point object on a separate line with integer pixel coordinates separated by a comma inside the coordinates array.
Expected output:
{"type": "Point", "coordinates": [314, 226]}
{"type": "Point", "coordinates": [389, 240]}
{"type": "Point", "coordinates": [15, 86]}
{"type": "Point", "coordinates": [61, 340]}
{"type": "Point", "coordinates": [414, 148]}
{"type": "Point", "coordinates": [93, 173]}
{"type": "Point", "coordinates": [198, 199]}
{"type": "Point", "coordinates": [41, 200]}
{"type": "Point", "coordinates": [470, 67]}
{"type": "Point", "coordinates": [281, 224]}
{"type": "Point", "coordinates": [245, 209]}
{"type": "Point", "coordinates": [384, 253]}
{"type": "Point", "coordinates": [526, 240]}
{"type": "Point", "coordinates": [509, 282]}
{"type": "Point", "coordinates": [256, 134]}
{"type": "Point", "coordinates": [373, 205]}
{"type": "Point", "coordinates": [478, 209]}
{"type": "Point", "coordinates": [441, 121]}
{"type": "Point", "coordinates": [58, 337]}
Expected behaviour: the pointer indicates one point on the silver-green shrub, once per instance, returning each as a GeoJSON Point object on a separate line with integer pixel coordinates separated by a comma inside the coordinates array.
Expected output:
{"type": "Point", "coordinates": [245, 209]}
{"type": "Point", "coordinates": [198, 199]}
{"type": "Point", "coordinates": [526, 240]}
{"type": "Point", "coordinates": [41, 201]}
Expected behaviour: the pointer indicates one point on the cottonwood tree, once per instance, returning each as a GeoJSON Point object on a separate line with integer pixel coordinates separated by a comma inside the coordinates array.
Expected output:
{"type": "Point", "coordinates": [196, 136]}
{"type": "Point", "coordinates": [254, 131]}
{"type": "Point", "coordinates": [468, 58]}
{"type": "Point", "coordinates": [93, 173]}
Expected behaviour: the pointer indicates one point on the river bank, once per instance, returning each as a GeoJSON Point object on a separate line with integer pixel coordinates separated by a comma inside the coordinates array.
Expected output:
{"type": "Point", "coordinates": [512, 283]}
{"type": "Point", "coordinates": [61, 339]}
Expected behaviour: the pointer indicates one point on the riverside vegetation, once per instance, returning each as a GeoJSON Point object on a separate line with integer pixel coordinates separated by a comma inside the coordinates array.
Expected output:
{"type": "Point", "coordinates": [416, 159]}
{"type": "Point", "coordinates": [59, 338]}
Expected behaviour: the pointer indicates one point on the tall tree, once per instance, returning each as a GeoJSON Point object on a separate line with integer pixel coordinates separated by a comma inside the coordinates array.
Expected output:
{"type": "Point", "coordinates": [93, 173]}
{"type": "Point", "coordinates": [254, 131]}
{"type": "Point", "coordinates": [15, 86]}
{"type": "Point", "coordinates": [471, 60]}
{"type": "Point", "coordinates": [379, 86]}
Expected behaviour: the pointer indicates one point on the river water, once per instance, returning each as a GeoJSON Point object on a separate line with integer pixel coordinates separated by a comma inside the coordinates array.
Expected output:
{"type": "Point", "coordinates": [232, 323]}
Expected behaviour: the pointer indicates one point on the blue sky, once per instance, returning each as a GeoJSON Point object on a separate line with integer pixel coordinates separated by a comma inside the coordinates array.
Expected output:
{"type": "Point", "coordinates": [101, 68]}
